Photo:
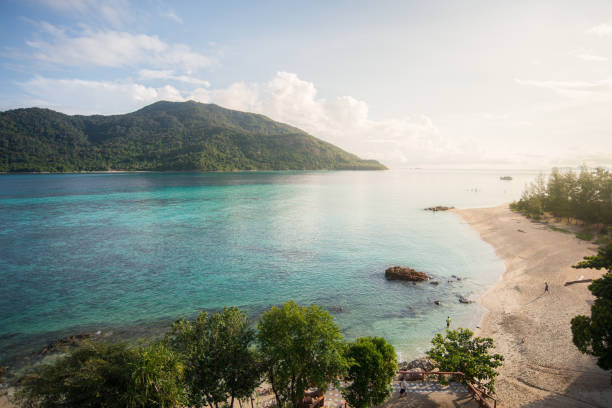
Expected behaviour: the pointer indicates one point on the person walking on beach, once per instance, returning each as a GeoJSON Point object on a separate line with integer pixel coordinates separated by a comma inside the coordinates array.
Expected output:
{"type": "Point", "coordinates": [403, 387]}
{"type": "Point", "coordinates": [448, 322]}
{"type": "Point", "coordinates": [546, 289]}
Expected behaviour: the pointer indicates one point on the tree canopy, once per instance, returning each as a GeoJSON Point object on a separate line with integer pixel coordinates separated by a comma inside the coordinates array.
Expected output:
{"type": "Point", "coordinates": [593, 335]}
{"type": "Point", "coordinates": [372, 366]}
{"type": "Point", "coordinates": [460, 351]}
{"type": "Point", "coordinates": [603, 259]}
{"type": "Point", "coordinates": [106, 375]}
{"type": "Point", "coordinates": [215, 350]}
{"type": "Point", "coordinates": [300, 347]}
{"type": "Point", "coordinates": [585, 196]}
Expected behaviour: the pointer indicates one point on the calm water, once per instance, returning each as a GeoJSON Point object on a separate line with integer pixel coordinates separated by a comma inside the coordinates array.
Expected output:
{"type": "Point", "coordinates": [115, 251]}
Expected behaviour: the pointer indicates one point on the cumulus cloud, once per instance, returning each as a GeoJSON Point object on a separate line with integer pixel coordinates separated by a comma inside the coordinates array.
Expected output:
{"type": "Point", "coordinates": [601, 30]}
{"type": "Point", "coordinates": [167, 74]}
{"type": "Point", "coordinates": [77, 96]}
{"type": "Point", "coordinates": [110, 48]}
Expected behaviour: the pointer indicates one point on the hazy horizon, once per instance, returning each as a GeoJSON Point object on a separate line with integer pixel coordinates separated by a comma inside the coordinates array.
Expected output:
{"type": "Point", "coordinates": [441, 84]}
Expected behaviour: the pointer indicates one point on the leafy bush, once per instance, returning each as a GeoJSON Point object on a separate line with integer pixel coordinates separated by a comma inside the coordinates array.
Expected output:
{"type": "Point", "coordinates": [372, 366]}
{"type": "Point", "coordinates": [460, 351]}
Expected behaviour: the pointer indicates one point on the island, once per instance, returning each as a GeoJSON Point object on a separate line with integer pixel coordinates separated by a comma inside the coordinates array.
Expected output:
{"type": "Point", "coordinates": [164, 136]}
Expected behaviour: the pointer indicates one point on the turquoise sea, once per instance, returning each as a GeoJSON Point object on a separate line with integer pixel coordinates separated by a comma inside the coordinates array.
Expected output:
{"type": "Point", "coordinates": [130, 252]}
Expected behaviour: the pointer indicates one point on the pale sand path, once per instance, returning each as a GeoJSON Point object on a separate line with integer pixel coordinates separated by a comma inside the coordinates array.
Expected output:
{"type": "Point", "coordinates": [532, 329]}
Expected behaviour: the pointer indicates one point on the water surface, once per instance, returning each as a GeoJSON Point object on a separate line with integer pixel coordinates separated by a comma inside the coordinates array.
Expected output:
{"type": "Point", "coordinates": [82, 252]}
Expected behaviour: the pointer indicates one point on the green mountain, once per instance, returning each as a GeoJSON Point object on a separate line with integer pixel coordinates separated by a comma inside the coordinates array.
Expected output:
{"type": "Point", "coordinates": [163, 136]}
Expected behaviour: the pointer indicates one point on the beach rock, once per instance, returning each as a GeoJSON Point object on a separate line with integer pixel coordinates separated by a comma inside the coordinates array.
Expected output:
{"type": "Point", "coordinates": [439, 208]}
{"type": "Point", "coordinates": [26, 378]}
{"type": "Point", "coordinates": [463, 299]}
{"type": "Point", "coordinates": [335, 309]}
{"type": "Point", "coordinates": [437, 302]}
{"type": "Point", "coordinates": [436, 283]}
{"type": "Point", "coordinates": [423, 363]}
{"type": "Point", "coordinates": [70, 341]}
{"type": "Point", "coordinates": [406, 274]}
{"type": "Point", "coordinates": [414, 374]}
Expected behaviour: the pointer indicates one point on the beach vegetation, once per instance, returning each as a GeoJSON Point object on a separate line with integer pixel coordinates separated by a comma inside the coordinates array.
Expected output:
{"type": "Point", "coordinates": [219, 361]}
{"type": "Point", "coordinates": [372, 366]}
{"type": "Point", "coordinates": [106, 375]}
{"type": "Point", "coordinates": [593, 334]}
{"type": "Point", "coordinates": [585, 236]}
{"type": "Point", "coordinates": [603, 259]}
{"type": "Point", "coordinates": [460, 351]}
{"type": "Point", "coordinates": [300, 347]}
{"type": "Point", "coordinates": [584, 196]}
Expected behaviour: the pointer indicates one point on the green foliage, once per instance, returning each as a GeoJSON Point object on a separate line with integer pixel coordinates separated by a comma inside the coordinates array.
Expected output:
{"type": "Point", "coordinates": [372, 366]}
{"type": "Point", "coordinates": [585, 236]}
{"type": "Point", "coordinates": [603, 259]}
{"type": "Point", "coordinates": [593, 335]}
{"type": "Point", "coordinates": [163, 136]}
{"type": "Point", "coordinates": [586, 196]}
{"type": "Point", "coordinates": [563, 230]}
{"type": "Point", "coordinates": [106, 375]}
{"type": "Point", "coordinates": [300, 347]}
{"type": "Point", "coordinates": [217, 358]}
{"type": "Point", "coordinates": [460, 351]}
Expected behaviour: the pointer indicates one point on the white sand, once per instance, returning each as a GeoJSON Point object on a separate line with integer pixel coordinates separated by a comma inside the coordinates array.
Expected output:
{"type": "Point", "coordinates": [532, 329]}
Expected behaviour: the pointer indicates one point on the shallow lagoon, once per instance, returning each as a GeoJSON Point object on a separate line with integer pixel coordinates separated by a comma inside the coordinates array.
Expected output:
{"type": "Point", "coordinates": [131, 252]}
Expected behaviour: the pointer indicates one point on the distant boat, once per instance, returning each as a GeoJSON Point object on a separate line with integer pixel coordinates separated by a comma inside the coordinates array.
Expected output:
{"type": "Point", "coordinates": [505, 178]}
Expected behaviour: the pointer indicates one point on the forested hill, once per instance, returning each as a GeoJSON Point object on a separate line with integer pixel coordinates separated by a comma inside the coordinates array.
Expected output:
{"type": "Point", "coordinates": [163, 136]}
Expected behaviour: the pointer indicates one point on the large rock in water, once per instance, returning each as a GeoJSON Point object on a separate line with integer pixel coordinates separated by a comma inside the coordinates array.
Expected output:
{"type": "Point", "coordinates": [407, 274]}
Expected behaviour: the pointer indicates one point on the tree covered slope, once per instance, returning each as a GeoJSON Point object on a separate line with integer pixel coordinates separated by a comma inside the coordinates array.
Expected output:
{"type": "Point", "coordinates": [163, 136]}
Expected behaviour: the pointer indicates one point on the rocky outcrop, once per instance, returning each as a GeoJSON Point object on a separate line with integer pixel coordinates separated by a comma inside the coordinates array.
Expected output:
{"type": "Point", "coordinates": [70, 341]}
{"type": "Point", "coordinates": [423, 363]}
{"type": "Point", "coordinates": [405, 274]}
{"type": "Point", "coordinates": [439, 208]}
{"type": "Point", "coordinates": [463, 299]}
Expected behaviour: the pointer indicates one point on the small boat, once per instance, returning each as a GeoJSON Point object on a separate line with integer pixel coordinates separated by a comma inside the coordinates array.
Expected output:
{"type": "Point", "coordinates": [505, 178]}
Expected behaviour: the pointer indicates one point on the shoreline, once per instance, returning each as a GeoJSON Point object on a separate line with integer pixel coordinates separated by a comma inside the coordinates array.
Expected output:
{"type": "Point", "coordinates": [532, 329]}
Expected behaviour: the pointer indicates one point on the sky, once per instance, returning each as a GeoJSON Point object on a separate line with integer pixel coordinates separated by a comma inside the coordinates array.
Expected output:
{"type": "Point", "coordinates": [432, 84]}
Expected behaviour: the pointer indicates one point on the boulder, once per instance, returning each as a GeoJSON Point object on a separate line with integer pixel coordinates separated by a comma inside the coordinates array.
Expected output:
{"type": "Point", "coordinates": [423, 363]}
{"type": "Point", "coordinates": [437, 302]}
{"type": "Point", "coordinates": [70, 341]}
{"type": "Point", "coordinates": [439, 208]}
{"type": "Point", "coordinates": [435, 283]}
{"type": "Point", "coordinates": [406, 274]}
{"type": "Point", "coordinates": [463, 299]}
{"type": "Point", "coordinates": [414, 374]}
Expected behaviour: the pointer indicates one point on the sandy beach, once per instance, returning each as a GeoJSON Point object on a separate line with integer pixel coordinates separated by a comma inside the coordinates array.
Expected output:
{"type": "Point", "coordinates": [530, 328]}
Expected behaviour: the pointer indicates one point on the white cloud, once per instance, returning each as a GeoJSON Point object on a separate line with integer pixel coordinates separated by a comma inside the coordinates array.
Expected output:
{"type": "Point", "coordinates": [78, 96]}
{"type": "Point", "coordinates": [167, 74]}
{"type": "Point", "coordinates": [109, 48]}
{"type": "Point", "coordinates": [589, 91]}
{"type": "Point", "coordinates": [591, 57]}
{"type": "Point", "coordinates": [115, 12]}
{"type": "Point", "coordinates": [172, 16]}
{"type": "Point", "coordinates": [601, 30]}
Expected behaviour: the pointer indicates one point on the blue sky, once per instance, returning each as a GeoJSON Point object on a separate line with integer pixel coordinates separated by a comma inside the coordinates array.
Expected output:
{"type": "Point", "coordinates": [430, 83]}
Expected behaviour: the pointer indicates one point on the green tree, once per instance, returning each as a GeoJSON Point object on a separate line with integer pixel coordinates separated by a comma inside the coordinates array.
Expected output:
{"type": "Point", "coordinates": [157, 378]}
{"type": "Point", "coordinates": [218, 361]}
{"type": "Point", "coordinates": [300, 347]}
{"type": "Point", "coordinates": [461, 351]}
{"type": "Point", "coordinates": [105, 375]}
{"type": "Point", "coordinates": [593, 335]}
{"type": "Point", "coordinates": [372, 366]}
{"type": "Point", "coordinates": [603, 259]}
